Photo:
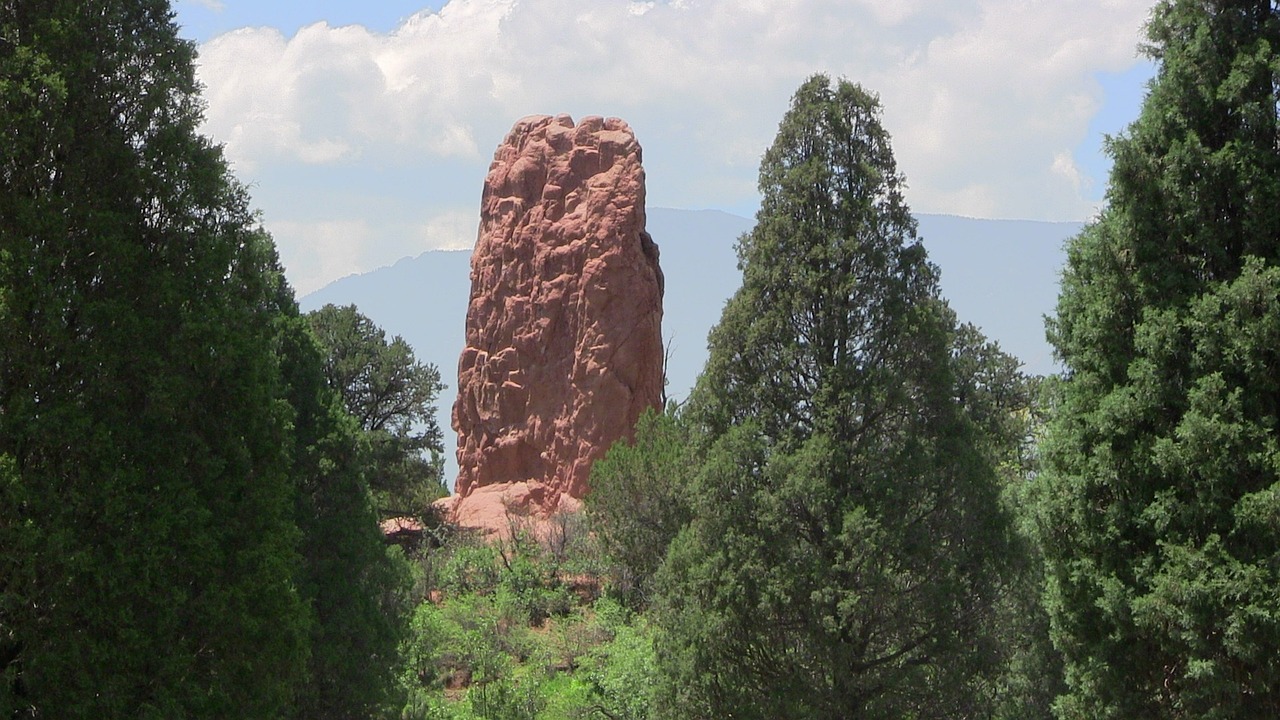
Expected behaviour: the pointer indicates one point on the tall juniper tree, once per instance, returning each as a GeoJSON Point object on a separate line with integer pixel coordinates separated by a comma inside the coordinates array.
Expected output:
{"type": "Point", "coordinates": [1160, 510]}
{"type": "Point", "coordinates": [356, 591]}
{"type": "Point", "coordinates": [151, 506]}
{"type": "Point", "coordinates": [847, 541]}
{"type": "Point", "coordinates": [167, 444]}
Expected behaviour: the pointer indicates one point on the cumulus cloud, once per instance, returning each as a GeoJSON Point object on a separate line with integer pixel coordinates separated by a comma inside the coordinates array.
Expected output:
{"type": "Point", "coordinates": [981, 96]}
{"type": "Point", "coordinates": [319, 251]}
{"type": "Point", "coordinates": [1065, 166]}
{"type": "Point", "coordinates": [450, 230]}
{"type": "Point", "coordinates": [337, 249]}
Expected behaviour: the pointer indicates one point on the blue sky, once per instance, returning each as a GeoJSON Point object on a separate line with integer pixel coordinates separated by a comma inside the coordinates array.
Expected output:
{"type": "Point", "coordinates": [205, 19]}
{"type": "Point", "coordinates": [1122, 99]}
{"type": "Point", "coordinates": [364, 129]}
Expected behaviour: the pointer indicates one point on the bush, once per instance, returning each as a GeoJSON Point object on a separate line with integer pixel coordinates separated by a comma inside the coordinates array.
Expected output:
{"type": "Point", "coordinates": [503, 631]}
{"type": "Point", "coordinates": [468, 566]}
{"type": "Point", "coordinates": [637, 503]}
{"type": "Point", "coordinates": [623, 673]}
{"type": "Point", "coordinates": [507, 698]}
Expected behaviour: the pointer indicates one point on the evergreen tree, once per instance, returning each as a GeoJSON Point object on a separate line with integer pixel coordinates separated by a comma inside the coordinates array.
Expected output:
{"type": "Point", "coordinates": [1004, 403]}
{"type": "Point", "coordinates": [847, 540]}
{"type": "Point", "coordinates": [355, 585]}
{"type": "Point", "coordinates": [637, 502]}
{"type": "Point", "coordinates": [1160, 504]}
{"type": "Point", "coordinates": [392, 396]}
{"type": "Point", "coordinates": [153, 568]}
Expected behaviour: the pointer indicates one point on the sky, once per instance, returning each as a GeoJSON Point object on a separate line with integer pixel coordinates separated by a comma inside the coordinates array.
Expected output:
{"type": "Point", "coordinates": [364, 129]}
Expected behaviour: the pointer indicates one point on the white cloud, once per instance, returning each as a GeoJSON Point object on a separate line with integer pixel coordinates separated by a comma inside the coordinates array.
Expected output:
{"type": "Point", "coordinates": [1065, 166]}
{"type": "Point", "coordinates": [450, 230]}
{"type": "Point", "coordinates": [322, 251]}
{"type": "Point", "coordinates": [981, 96]}
{"type": "Point", "coordinates": [992, 102]}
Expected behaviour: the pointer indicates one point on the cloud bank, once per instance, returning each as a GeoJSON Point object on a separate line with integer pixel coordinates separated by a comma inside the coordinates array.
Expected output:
{"type": "Point", "coordinates": [363, 147]}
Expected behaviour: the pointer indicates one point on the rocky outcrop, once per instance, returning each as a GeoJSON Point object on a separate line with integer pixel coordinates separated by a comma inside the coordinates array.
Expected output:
{"type": "Point", "coordinates": [563, 339]}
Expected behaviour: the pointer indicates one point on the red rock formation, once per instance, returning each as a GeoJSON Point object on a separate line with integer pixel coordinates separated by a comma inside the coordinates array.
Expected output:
{"type": "Point", "coordinates": [564, 340]}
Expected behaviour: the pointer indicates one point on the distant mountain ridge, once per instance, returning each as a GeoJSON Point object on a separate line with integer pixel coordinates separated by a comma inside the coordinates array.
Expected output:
{"type": "Point", "coordinates": [1001, 275]}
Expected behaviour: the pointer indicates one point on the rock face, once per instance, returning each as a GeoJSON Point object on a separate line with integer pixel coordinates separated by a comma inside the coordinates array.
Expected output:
{"type": "Point", "coordinates": [563, 339]}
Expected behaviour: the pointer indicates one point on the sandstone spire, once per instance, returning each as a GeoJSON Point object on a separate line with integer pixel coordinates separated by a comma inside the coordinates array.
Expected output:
{"type": "Point", "coordinates": [563, 339]}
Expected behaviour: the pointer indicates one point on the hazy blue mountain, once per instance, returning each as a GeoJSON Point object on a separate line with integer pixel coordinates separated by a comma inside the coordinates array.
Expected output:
{"type": "Point", "coordinates": [1001, 275]}
{"type": "Point", "coordinates": [422, 299]}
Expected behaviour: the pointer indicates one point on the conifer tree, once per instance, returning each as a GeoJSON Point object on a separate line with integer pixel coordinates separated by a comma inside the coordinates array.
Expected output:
{"type": "Point", "coordinates": [637, 502]}
{"type": "Point", "coordinates": [1160, 507]}
{"type": "Point", "coordinates": [392, 397]}
{"type": "Point", "coordinates": [847, 541]}
{"type": "Point", "coordinates": [354, 586]}
{"type": "Point", "coordinates": [163, 430]}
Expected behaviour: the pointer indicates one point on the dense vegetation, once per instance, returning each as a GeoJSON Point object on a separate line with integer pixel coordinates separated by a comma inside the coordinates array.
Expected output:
{"type": "Point", "coordinates": [843, 475]}
{"type": "Point", "coordinates": [185, 518]}
{"type": "Point", "coordinates": [392, 396]}
{"type": "Point", "coordinates": [1161, 501]}
{"type": "Point", "coordinates": [864, 510]}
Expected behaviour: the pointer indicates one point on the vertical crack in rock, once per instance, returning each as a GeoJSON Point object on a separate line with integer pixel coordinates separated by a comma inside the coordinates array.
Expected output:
{"type": "Point", "coordinates": [564, 338]}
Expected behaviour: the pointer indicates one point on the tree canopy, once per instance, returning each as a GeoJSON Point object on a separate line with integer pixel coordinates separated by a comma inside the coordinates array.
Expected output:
{"type": "Point", "coordinates": [637, 503]}
{"type": "Point", "coordinates": [151, 549]}
{"type": "Point", "coordinates": [1160, 501]}
{"type": "Point", "coordinates": [185, 522]}
{"type": "Point", "coordinates": [846, 540]}
{"type": "Point", "coordinates": [356, 589]}
{"type": "Point", "coordinates": [392, 396]}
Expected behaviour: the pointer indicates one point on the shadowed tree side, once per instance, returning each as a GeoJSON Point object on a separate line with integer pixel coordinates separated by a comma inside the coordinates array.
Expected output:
{"type": "Point", "coordinates": [140, 399]}
{"type": "Point", "coordinates": [355, 585]}
{"type": "Point", "coordinates": [186, 526]}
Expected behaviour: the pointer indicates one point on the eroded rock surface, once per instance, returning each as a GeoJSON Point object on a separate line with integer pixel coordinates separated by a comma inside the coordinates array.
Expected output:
{"type": "Point", "coordinates": [563, 339]}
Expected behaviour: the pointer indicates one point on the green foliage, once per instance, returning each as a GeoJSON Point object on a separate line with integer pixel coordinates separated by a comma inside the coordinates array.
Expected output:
{"type": "Point", "coordinates": [847, 542]}
{"type": "Point", "coordinates": [392, 396]}
{"type": "Point", "coordinates": [506, 698]}
{"type": "Point", "coordinates": [1158, 501]}
{"type": "Point", "coordinates": [622, 673]}
{"type": "Point", "coordinates": [1004, 405]}
{"type": "Point", "coordinates": [186, 522]}
{"type": "Point", "coordinates": [597, 661]}
{"type": "Point", "coordinates": [469, 567]}
{"type": "Point", "coordinates": [638, 501]}
{"type": "Point", "coordinates": [140, 402]}
{"type": "Point", "coordinates": [354, 585]}
{"type": "Point", "coordinates": [502, 637]}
